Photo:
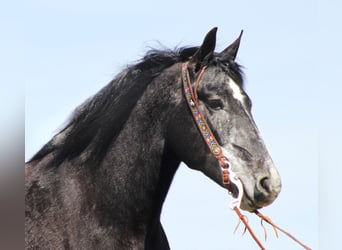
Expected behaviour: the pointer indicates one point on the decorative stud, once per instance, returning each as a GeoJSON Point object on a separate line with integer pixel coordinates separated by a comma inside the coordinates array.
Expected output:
{"type": "Point", "coordinates": [216, 150]}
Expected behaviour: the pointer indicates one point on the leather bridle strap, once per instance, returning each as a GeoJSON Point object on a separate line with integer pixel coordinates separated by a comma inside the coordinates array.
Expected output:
{"type": "Point", "coordinates": [207, 134]}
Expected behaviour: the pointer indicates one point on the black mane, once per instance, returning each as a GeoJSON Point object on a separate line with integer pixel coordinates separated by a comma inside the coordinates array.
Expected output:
{"type": "Point", "coordinates": [98, 121]}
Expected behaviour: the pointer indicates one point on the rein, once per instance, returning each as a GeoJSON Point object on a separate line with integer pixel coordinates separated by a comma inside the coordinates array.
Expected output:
{"type": "Point", "coordinates": [228, 176]}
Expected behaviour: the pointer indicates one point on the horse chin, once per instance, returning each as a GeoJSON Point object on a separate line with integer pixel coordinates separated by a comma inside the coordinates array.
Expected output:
{"type": "Point", "coordinates": [248, 205]}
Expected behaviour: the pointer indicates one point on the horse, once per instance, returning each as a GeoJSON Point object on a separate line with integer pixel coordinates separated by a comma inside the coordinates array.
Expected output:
{"type": "Point", "coordinates": [101, 181]}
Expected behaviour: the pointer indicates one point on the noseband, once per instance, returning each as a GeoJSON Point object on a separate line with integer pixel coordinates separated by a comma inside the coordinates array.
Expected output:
{"type": "Point", "coordinates": [228, 176]}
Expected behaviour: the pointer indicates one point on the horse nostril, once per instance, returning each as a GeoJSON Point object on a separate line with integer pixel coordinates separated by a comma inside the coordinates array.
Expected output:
{"type": "Point", "coordinates": [265, 184]}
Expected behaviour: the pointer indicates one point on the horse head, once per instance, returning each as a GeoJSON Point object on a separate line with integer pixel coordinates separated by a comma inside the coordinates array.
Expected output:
{"type": "Point", "coordinates": [227, 110]}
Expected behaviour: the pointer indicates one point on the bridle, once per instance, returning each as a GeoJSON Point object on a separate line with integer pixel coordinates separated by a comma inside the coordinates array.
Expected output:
{"type": "Point", "coordinates": [207, 134]}
{"type": "Point", "coordinates": [228, 176]}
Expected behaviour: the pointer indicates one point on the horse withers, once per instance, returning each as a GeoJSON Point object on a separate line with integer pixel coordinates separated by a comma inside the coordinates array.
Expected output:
{"type": "Point", "coordinates": [101, 181]}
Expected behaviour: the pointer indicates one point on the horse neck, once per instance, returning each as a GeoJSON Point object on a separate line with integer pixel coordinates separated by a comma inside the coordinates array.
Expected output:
{"type": "Point", "coordinates": [135, 175]}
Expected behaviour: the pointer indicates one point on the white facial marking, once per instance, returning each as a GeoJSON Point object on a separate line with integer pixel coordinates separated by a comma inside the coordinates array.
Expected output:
{"type": "Point", "coordinates": [237, 93]}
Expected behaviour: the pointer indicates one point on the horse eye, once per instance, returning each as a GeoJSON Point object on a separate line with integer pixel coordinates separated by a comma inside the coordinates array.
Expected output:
{"type": "Point", "coordinates": [215, 104]}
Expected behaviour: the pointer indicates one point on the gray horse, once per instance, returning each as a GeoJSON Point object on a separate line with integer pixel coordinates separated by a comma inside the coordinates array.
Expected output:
{"type": "Point", "coordinates": [100, 182]}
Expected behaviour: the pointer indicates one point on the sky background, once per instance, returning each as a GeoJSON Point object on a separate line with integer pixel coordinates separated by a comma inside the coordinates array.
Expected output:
{"type": "Point", "coordinates": [65, 51]}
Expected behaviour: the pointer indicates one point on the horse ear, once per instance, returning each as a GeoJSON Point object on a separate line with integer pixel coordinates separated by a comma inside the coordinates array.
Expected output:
{"type": "Point", "coordinates": [231, 50]}
{"type": "Point", "coordinates": [207, 48]}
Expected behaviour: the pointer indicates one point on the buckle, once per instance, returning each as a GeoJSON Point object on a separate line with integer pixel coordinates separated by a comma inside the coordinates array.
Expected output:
{"type": "Point", "coordinates": [225, 178]}
{"type": "Point", "coordinates": [225, 173]}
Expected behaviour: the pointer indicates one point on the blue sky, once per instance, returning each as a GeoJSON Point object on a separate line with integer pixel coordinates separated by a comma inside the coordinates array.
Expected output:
{"type": "Point", "coordinates": [72, 49]}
